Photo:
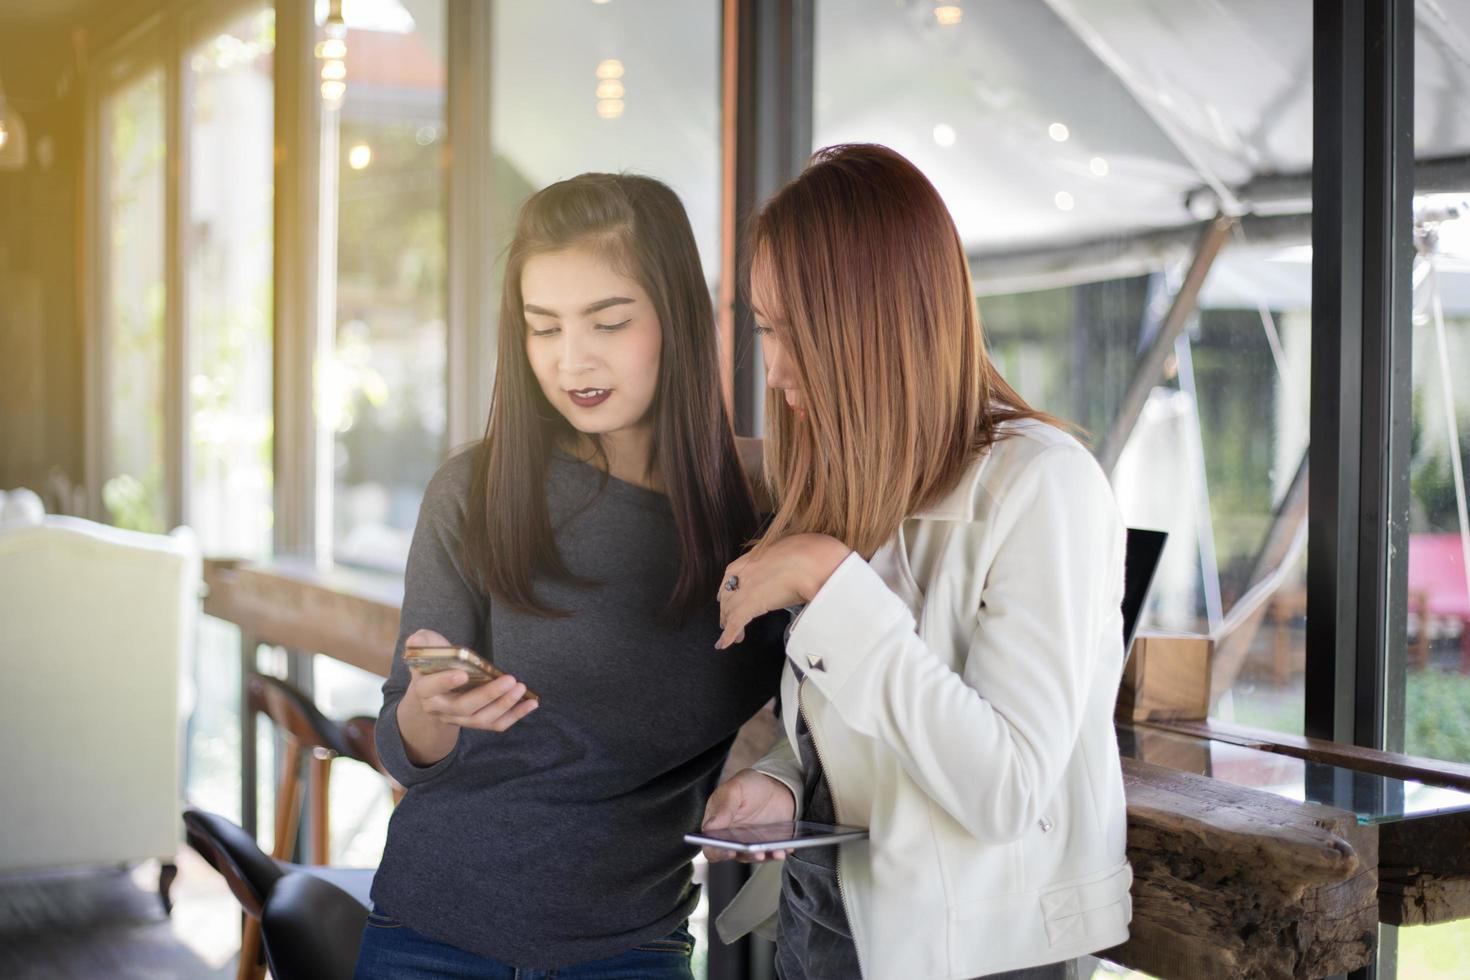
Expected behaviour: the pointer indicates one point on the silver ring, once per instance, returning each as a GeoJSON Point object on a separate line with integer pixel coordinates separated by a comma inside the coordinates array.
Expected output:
{"type": "Point", "coordinates": [732, 583]}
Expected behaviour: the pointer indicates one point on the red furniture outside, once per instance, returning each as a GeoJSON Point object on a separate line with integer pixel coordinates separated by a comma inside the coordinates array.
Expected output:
{"type": "Point", "coordinates": [1437, 589]}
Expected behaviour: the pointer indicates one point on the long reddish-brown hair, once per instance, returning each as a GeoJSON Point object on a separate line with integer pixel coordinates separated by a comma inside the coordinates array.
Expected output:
{"type": "Point", "coordinates": [858, 268]}
{"type": "Point", "coordinates": [638, 224]}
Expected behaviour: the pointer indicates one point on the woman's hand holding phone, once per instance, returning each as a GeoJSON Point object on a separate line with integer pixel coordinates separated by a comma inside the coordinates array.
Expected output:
{"type": "Point", "coordinates": [748, 797]}
{"type": "Point", "coordinates": [434, 708]}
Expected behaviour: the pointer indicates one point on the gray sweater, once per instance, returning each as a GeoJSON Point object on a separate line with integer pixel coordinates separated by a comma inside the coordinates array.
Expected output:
{"type": "Point", "coordinates": [560, 840]}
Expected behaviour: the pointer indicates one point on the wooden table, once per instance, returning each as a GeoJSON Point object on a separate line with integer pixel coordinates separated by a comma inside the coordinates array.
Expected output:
{"type": "Point", "coordinates": [343, 613]}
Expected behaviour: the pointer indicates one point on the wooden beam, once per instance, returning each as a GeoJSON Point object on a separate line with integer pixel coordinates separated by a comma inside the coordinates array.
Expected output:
{"type": "Point", "coordinates": [1425, 872]}
{"type": "Point", "coordinates": [1230, 881]}
{"type": "Point", "coordinates": [1435, 772]}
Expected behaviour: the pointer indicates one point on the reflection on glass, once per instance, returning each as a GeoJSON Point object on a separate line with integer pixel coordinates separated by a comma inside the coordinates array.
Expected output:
{"type": "Point", "coordinates": [382, 393]}
{"type": "Point", "coordinates": [1080, 147]}
{"type": "Point", "coordinates": [228, 253]}
{"type": "Point", "coordinates": [133, 241]}
{"type": "Point", "coordinates": [578, 87]}
{"type": "Point", "coordinates": [1437, 674]}
{"type": "Point", "coordinates": [1436, 645]}
{"type": "Point", "coordinates": [1373, 798]}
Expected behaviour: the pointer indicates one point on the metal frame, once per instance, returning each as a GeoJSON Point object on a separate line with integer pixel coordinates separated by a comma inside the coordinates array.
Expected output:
{"type": "Point", "coordinates": [473, 217]}
{"type": "Point", "coordinates": [1151, 364]}
{"type": "Point", "coordinates": [1362, 262]}
{"type": "Point", "coordinates": [1357, 549]}
{"type": "Point", "coordinates": [297, 281]}
{"type": "Point", "coordinates": [770, 75]}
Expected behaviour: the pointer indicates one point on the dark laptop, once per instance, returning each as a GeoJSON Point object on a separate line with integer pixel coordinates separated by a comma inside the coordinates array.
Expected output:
{"type": "Point", "coordinates": [1140, 563]}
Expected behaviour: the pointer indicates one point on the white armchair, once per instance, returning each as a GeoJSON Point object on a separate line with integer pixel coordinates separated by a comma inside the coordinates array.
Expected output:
{"type": "Point", "coordinates": [94, 622]}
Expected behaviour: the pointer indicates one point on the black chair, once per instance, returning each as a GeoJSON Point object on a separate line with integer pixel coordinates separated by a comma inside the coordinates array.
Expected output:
{"type": "Point", "coordinates": [254, 876]}
{"type": "Point", "coordinates": [311, 928]}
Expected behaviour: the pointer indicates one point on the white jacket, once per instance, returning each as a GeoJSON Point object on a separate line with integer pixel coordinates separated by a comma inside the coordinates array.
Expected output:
{"type": "Point", "coordinates": [962, 707]}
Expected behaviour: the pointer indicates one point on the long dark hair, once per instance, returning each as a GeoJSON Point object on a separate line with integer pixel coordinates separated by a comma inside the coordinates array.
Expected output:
{"type": "Point", "coordinates": [640, 226]}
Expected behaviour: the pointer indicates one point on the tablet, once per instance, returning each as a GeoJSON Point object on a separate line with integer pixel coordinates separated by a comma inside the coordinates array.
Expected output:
{"type": "Point", "coordinates": [787, 836]}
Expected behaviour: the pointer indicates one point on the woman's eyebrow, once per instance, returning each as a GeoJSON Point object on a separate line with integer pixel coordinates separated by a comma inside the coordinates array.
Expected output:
{"type": "Point", "coordinates": [590, 309]}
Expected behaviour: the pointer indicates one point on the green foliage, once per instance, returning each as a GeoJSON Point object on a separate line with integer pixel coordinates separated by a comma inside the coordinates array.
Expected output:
{"type": "Point", "coordinates": [132, 503]}
{"type": "Point", "coordinates": [1437, 713]}
{"type": "Point", "coordinates": [1432, 480]}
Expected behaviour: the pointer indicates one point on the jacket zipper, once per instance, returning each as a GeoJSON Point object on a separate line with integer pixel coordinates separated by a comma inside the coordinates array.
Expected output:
{"type": "Point", "coordinates": [827, 775]}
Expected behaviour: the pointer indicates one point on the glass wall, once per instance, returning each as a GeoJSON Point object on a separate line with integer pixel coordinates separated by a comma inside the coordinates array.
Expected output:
{"type": "Point", "coordinates": [579, 86]}
{"type": "Point", "coordinates": [229, 95]}
{"type": "Point", "coordinates": [132, 215]}
{"type": "Point", "coordinates": [1080, 148]}
{"type": "Point", "coordinates": [381, 395]}
{"type": "Point", "coordinates": [227, 249]}
{"type": "Point", "coordinates": [1436, 645]}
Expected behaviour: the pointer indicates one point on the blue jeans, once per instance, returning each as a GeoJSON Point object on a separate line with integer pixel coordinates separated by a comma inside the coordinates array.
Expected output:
{"type": "Point", "coordinates": [390, 951]}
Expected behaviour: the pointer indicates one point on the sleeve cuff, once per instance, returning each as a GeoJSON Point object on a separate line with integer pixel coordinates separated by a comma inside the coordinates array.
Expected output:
{"type": "Point", "coordinates": [783, 775]}
{"type": "Point", "coordinates": [843, 624]}
{"type": "Point", "coordinates": [395, 758]}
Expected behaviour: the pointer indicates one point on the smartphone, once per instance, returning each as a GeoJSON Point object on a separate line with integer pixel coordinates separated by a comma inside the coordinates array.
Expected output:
{"type": "Point", "coordinates": [434, 660]}
{"type": "Point", "coordinates": [788, 836]}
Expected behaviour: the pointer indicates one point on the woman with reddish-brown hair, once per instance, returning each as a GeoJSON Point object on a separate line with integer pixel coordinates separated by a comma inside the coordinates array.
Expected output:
{"type": "Point", "coordinates": [958, 556]}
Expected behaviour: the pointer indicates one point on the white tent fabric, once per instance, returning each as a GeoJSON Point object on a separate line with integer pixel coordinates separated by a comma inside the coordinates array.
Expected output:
{"type": "Point", "coordinates": [1159, 99]}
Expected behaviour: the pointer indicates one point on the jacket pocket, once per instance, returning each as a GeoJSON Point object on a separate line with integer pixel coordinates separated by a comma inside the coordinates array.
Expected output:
{"type": "Point", "coordinates": [1095, 905]}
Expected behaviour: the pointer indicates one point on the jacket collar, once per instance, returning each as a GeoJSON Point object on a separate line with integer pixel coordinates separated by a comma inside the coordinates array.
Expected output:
{"type": "Point", "coordinates": [958, 504]}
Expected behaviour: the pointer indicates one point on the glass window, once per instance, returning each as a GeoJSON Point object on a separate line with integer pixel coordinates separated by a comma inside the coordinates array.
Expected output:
{"type": "Point", "coordinates": [1437, 672]}
{"type": "Point", "coordinates": [1436, 644]}
{"type": "Point", "coordinates": [578, 86]}
{"type": "Point", "coordinates": [132, 155]}
{"type": "Point", "coordinates": [229, 119]}
{"type": "Point", "coordinates": [1081, 148]}
{"type": "Point", "coordinates": [381, 395]}
{"type": "Point", "coordinates": [228, 124]}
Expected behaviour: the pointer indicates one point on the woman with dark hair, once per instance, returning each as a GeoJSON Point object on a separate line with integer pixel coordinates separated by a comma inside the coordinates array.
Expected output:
{"type": "Point", "coordinates": [578, 546]}
{"type": "Point", "coordinates": [959, 558]}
